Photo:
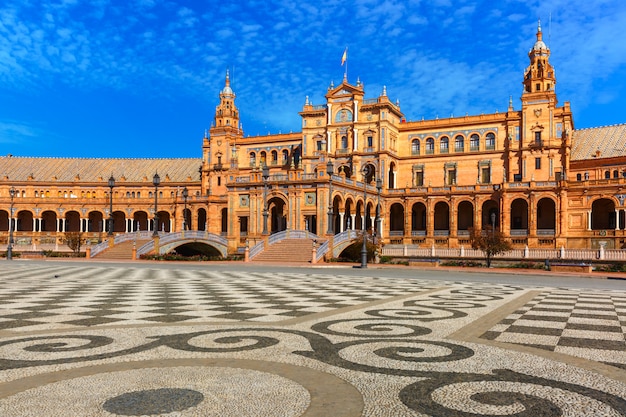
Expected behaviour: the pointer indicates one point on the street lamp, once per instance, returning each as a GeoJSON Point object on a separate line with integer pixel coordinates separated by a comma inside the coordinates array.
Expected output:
{"type": "Point", "coordinates": [156, 180]}
{"type": "Point", "coordinates": [12, 192]}
{"type": "Point", "coordinates": [366, 171]}
{"type": "Point", "coordinates": [185, 195]}
{"type": "Point", "coordinates": [111, 185]}
{"type": "Point", "coordinates": [266, 177]}
{"type": "Point", "coordinates": [493, 223]}
{"type": "Point", "coordinates": [329, 172]}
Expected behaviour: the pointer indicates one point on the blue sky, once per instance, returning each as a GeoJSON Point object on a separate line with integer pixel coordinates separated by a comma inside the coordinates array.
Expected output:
{"type": "Point", "coordinates": [140, 78]}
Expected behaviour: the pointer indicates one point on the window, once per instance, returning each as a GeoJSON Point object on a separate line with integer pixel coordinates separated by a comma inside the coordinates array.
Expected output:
{"type": "Point", "coordinates": [263, 158]}
{"type": "Point", "coordinates": [607, 174]}
{"type": "Point", "coordinates": [430, 146]}
{"type": "Point", "coordinates": [490, 141]}
{"type": "Point", "coordinates": [274, 157]}
{"type": "Point", "coordinates": [252, 159]}
{"type": "Point", "coordinates": [285, 156]}
{"type": "Point", "coordinates": [474, 142]}
{"type": "Point", "coordinates": [459, 144]}
{"type": "Point", "coordinates": [579, 177]}
{"type": "Point", "coordinates": [537, 163]}
{"type": "Point", "coordinates": [370, 141]}
{"type": "Point", "coordinates": [320, 145]}
{"type": "Point", "coordinates": [615, 174]}
{"type": "Point", "coordinates": [451, 176]}
{"type": "Point", "coordinates": [537, 138]}
{"type": "Point", "coordinates": [485, 175]}
{"type": "Point", "coordinates": [538, 87]}
{"type": "Point", "coordinates": [443, 144]}
{"type": "Point", "coordinates": [415, 147]}
{"type": "Point", "coordinates": [344, 142]}
{"type": "Point", "coordinates": [419, 178]}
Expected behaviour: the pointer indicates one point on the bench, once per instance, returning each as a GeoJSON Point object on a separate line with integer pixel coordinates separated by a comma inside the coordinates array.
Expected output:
{"type": "Point", "coordinates": [31, 255]}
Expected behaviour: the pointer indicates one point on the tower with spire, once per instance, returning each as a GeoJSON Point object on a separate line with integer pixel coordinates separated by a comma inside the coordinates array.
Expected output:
{"type": "Point", "coordinates": [219, 147]}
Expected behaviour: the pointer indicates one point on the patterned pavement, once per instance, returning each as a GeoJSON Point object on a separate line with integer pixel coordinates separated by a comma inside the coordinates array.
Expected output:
{"type": "Point", "coordinates": [85, 340]}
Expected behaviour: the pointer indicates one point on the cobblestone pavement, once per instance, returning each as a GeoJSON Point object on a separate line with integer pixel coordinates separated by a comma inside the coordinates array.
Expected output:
{"type": "Point", "coordinates": [88, 340]}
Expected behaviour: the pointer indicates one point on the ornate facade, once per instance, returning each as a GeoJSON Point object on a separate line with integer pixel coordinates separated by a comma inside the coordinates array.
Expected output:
{"type": "Point", "coordinates": [527, 172]}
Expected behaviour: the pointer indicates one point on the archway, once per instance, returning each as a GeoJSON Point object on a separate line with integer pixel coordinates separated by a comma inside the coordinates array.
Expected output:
{"type": "Point", "coordinates": [140, 220]}
{"type": "Point", "coordinates": [164, 222]}
{"type": "Point", "coordinates": [546, 215]}
{"type": "Point", "coordinates": [278, 215]}
{"type": "Point", "coordinates": [396, 220]}
{"type": "Point", "coordinates": [418, 219]}
{"type": "Point", "coordinates": [465, 216]}
{"type": "Point", "coordinates": [603, 214]}
{"type": "Point", "coordinates": [48, 221]}
{"type": "Point", "coordinates": [202, 219]}
{"type": "Point", "coordinates": [4, 221]}
{"type": "Point", "coordinates": [119, 222]}
{"type": "Point", "coordinates": [442, 216]}
{"type": "Point", "coordinates": [24, 221]}
{"type": "Point", "coordinates": [519, 215]}
{"type": "Point", "coordinates": [489, 207]}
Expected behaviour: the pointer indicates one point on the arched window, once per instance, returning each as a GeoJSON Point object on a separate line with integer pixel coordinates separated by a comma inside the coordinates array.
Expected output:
{"type": "Point", "coordinates": [474, 142]}
{"type": "Point", "coordinates": [607, 174]}
{"type": "Point", "coordinates": [490, 141]}
{"type": "Point", "coordinates": [344, 142]}
{"type": "Point", "coordinates": [579, 177]}
{"type": "Point", "coordinates": [444, 144]}
{"type": "Point", "coordinates": [459, 143]}
{"type": "Point", "coordinates": [285, 156]}
{"type": "Point", "coordinates": [252, 159]}
{"type": "Point", "coordinates": [263, 160]}
{"type": "Point", "coordinates": [615, 174]}
{"type": "Point", "coordinates": [274, 157]}
{"type": "Point", "coordinates": [430, 146]}
{"type": "Point", "coordinates": [415, 147]}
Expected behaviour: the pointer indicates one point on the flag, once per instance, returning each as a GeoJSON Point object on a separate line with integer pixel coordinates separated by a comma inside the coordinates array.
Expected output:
{"type": "Point", "coordinates": [344, 57]}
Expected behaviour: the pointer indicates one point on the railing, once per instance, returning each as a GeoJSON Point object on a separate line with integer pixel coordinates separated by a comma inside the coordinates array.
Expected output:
{"type": "Point", "coordinates": [441, 232]}
{"type": "Point", "coordinates": [418, 232]}
{"type": "Point", "coordinates": [345, 235]}
{"type": "Point", "coordinates": [545, 232]}
{"type": "Point", "coordinates": [322, 250]}
{"type": "Point", "coordinates": [291, 234]}
{"type": "Point", "coordinates": [519, 232]}
{"type": "Point", "coordinates": [396, 233]}
{"type": "Point", "coordinates": [584, 255]}
{"type": "Point", "coordinates": [256, 249]}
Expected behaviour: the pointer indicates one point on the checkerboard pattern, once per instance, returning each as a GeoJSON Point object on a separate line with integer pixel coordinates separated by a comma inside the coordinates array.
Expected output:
{"type": "Point", "coordinates": [66, 298]}
{"type": "Point", "coordinates": [591, 325]}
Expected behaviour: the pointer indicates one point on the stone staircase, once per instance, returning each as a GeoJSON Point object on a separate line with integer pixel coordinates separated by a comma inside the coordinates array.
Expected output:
{"type": "Point", "coordinates": [287, 250]}
{"type": "Point", "coordinates": [121, 251]}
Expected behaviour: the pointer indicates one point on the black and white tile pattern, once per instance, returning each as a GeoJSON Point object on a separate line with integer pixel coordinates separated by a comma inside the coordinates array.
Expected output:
{"type": "Point", "coordinates": [121, 341]}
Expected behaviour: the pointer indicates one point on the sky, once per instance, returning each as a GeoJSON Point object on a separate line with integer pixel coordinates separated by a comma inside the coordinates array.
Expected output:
{"type": "Point", "coordinates": [141, 78]}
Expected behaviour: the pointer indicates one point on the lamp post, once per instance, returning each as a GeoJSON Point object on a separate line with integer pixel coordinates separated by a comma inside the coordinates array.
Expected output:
{"type": "Point", "coordinates": [266, 177]}
{"type": "Point", "coordinates": [329, 172]}
{"type": "Point", "coordinates": [111, 185]}
{"type": "Point", "coordinates": [493, 223]}
{"type": "Point", "coordinates": [156, 180]}
{"type": "Point", "coordinates": [12, 192]}
{"type": "Point", "coordinates": [364, 246]}
{"type": "Point", "coordinates": [185, 195]}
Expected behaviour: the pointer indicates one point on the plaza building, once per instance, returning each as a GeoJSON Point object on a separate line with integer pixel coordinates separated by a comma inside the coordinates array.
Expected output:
{"type": "Point", "coordinates": [356, 164]}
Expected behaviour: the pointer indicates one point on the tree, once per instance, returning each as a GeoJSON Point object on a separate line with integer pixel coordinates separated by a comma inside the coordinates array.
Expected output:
{"type": "Point", "coordinates": [490, 242]}
{"type": "Point", "coordinates": [74, 241]}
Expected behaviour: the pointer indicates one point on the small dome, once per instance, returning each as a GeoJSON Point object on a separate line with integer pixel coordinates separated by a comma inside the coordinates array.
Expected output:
{"type": "Point", "coordinates": [539, 45]}
{"type": "Point", "coordinates": [227, 90]}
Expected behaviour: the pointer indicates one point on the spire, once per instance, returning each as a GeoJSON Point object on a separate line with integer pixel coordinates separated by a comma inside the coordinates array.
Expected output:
{"type": "Point", "coordinates": [539, 76]}
{"type": "Point", "coordinates": [227, 89]}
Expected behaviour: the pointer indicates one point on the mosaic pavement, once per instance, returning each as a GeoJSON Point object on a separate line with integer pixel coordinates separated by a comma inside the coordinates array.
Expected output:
{"type": "Point", "coordinates": [109, 341]}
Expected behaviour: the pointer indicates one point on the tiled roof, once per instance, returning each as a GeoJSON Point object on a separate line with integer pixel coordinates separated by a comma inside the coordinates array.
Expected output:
{"type": "Point", "coordinates": [98, 169]}
{"type": "Point", "coordinates": [609, 140]}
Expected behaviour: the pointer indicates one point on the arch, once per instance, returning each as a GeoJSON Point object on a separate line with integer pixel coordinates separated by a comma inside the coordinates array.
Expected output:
{"type": "Point", "coordinates": [24, 221]}
{"type": "Point", "coordinates": [164, 222]}
{"type": "Point", "coordinates": [396, 219]}
{"type": "Point", "coordinates": [546, 214]}
{"type": "Point", "coordinates": [263, 158]}
{"type": "Point", "coordinates": [442, 216]}
{"type": "Point", "coordinates": [465, 215]}
{"type": "Point", "coordinates": [119, 221]}
{"type": "Point", "coordinates": [140, 220]}
{"type": "Point", "coordinates": [224, 221]}
{"type": "Point", "coordinates": [94, 221]}
{"type": "Point", "coordinates": [252, 159]}
{"type": "Point", "coordinates": [418, 219]}
{"type": "Point", "coordinates": [72, 221]}
{"type": "Point", "coordinates": [336, 204]}
{"type": "Point", "coordinates": [603, 214]}
{"type": "Point", "coordinates": [430, 146]}
{"type": "Point", "coordinates": [49, 221]}
{"type": "Point", "coordinates": [285, 154]}
{"type": "Point", "coordinates": [201, 219]}
{"type": "Point", "coordinates": [519, 214]}
{"type": "Point", "coordinates": [278, 214]}
{"type": "Point", "coordinates": [4, 221]}
{"type": "Point", "coordinates": [391, 180]}
{"type": "Point", "coordinates": [186, 219]}
{"type": "Point", "coordinates": [347, 218]}
{"type": "Point", "coordinates": [274, 155]}
{"type": "Point", "coordinates": [489, 207]}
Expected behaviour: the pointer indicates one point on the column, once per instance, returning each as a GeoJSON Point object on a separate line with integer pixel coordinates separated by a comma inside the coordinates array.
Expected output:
{"type": "Point", "coordinates": [616, 219]}
{"type": "Point", "coordinates": [34, 224]}
{"type": "Point", "coordinates": [589, 220]}
{"type": "Point", "coordinates": [355, 137]}
{"type": "Point", "coordinates": [341, 222]}
{"type": "Point", "coordinates": [352, 219]}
